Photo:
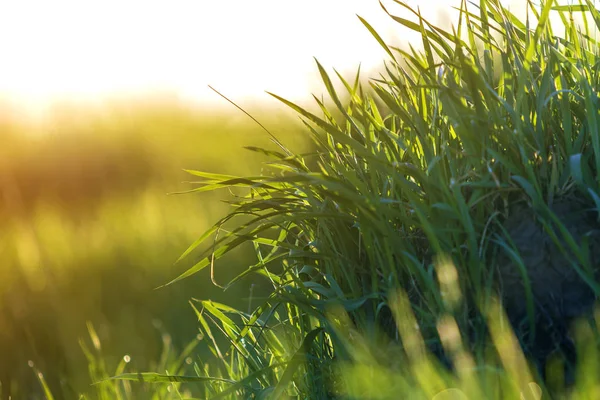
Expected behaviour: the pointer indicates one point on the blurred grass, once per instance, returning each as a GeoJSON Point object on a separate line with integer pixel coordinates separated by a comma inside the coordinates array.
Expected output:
{"type": "Point", "coordinates": [77, 157]}
{"type": "Point", "coordinates": [88, 231]}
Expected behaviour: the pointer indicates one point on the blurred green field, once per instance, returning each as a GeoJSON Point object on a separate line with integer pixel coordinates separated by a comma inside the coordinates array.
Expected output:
{"type": "Point", "coordinates": [409, 255]}
{"type": "Point", "coordinates": [88, 231]}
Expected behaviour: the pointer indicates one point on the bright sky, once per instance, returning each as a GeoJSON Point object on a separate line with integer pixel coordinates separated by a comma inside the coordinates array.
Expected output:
{"type": "Point", "coordinates": [86, 50]}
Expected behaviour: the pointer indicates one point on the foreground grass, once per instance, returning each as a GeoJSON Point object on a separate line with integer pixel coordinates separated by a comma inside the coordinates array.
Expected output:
{"type": "Point", "coordinates": [383, 247]}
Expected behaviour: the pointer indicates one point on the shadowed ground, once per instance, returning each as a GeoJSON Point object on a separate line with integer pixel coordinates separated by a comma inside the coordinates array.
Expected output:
{"type": "Point", "coordinates": [560, 294]}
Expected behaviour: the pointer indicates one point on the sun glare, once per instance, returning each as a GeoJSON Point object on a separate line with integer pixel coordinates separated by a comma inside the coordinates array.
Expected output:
{"type": "Point", "coordinates": [85, 51]}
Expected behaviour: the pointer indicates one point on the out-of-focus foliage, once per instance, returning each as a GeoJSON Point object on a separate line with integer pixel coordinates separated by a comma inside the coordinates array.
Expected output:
{"type": "Point", "coordinates": [88, 231]}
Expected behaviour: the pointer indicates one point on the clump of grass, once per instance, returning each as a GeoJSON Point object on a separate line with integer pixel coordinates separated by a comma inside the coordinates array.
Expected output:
{"type": "Point", "coordinates": [432, 161]}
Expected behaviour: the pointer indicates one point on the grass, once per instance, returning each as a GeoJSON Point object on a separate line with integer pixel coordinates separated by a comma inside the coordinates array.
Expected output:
{"type": "Point", "coordinates": [383, 245]}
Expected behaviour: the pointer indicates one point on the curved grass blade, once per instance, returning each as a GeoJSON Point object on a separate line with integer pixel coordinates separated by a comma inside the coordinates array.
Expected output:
{"type": "Point", "coordinates": [153, 377]}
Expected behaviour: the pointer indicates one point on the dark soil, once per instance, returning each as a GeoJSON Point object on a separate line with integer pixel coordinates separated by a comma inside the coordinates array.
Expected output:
{"type": "Point", "coordinates": [560, 293]}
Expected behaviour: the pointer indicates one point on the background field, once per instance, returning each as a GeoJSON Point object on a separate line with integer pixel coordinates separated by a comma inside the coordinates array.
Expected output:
{"type": "Point", "coordinates": [87, 232]}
